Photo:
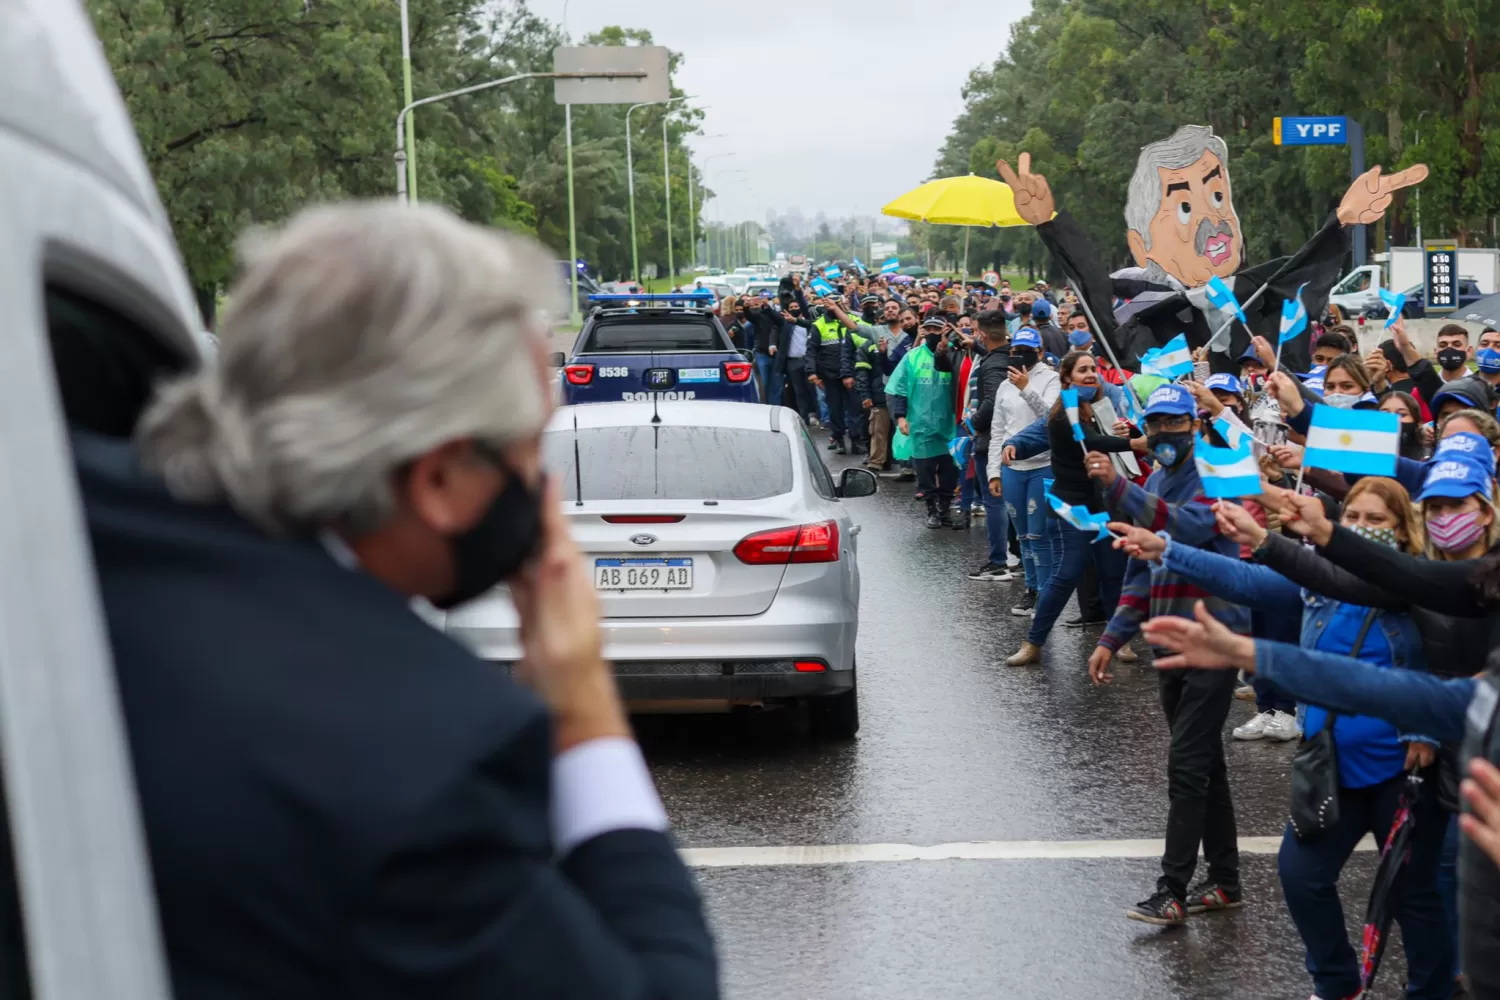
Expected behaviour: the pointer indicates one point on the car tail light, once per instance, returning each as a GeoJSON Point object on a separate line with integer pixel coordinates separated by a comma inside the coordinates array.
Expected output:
{"type": "Point", "coordinates": [738, 371]}
{"type": "Point", "coordinates": [579, 374]}
{"type": "Point", "coordinates": [807, 543]}
{"type": "Point", "coordinates": [643, 518]}
{"type": "Point", "coordinates": [809, 666]}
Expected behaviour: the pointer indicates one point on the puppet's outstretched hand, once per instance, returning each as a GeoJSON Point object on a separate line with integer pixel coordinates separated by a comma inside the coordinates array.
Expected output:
{"type": "Point", "coordinates": [1370, 195]}
{"type": "Point", "coordinates": [1033, 196]}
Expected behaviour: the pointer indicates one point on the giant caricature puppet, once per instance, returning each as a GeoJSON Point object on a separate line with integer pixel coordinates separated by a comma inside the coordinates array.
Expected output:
{"type": "Point", "coordinates": [1182, 229]}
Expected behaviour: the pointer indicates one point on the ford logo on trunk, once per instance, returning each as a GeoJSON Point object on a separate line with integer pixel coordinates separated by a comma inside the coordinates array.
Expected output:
{"type": "Point", "coordinates": [643, 539]}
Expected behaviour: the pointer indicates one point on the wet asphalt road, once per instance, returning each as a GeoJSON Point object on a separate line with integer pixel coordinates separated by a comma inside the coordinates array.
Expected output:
{"type": "Point", "coordinates": [955, 746]}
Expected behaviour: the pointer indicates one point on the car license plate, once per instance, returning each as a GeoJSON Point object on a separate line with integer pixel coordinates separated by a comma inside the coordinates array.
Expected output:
{"type": "Point", "coordinates": [643, 574]}
{"type": "Point", "coordinates": [697, 375]}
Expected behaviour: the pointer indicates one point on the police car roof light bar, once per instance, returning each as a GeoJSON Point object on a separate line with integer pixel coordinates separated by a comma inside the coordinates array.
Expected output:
{"type": "Point", "coordinates": [663, 297]}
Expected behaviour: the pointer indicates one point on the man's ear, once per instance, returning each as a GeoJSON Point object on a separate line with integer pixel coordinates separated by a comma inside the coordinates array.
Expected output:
{"type": "Point", "coordinates": [1137, 247]}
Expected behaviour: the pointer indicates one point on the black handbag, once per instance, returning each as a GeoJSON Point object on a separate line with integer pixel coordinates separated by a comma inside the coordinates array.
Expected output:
{"type": "Point", "coordinates": [1315, 768]}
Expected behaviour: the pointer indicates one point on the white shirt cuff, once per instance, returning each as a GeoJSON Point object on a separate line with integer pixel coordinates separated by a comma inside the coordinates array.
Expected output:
{"type": "Point", "coordinates": [599, 787]}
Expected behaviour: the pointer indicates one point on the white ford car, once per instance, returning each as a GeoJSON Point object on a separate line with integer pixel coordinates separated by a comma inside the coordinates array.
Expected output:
{"type": "Point", "coordinates": [722, 551]}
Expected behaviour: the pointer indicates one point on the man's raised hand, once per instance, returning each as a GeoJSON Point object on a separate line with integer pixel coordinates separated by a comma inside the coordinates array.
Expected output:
{"type": "Point", "coordinates": [1033, 195]}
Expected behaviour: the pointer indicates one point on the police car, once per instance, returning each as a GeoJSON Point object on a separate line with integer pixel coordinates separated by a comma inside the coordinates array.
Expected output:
{"type": "Point", "coordinates": [667, 347]}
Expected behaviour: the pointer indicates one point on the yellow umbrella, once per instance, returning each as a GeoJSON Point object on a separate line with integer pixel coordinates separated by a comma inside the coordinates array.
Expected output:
{"type": "Point", "coordinates": [958, 201]}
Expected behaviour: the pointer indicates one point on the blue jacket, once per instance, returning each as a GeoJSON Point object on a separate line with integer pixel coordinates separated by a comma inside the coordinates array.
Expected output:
{"type": "Point", "coordinates": [1370, 750]}
{"type": "Point", "coordinates": [1032, 441]}
{"type": "Point", "coordinates": [1413, 702]}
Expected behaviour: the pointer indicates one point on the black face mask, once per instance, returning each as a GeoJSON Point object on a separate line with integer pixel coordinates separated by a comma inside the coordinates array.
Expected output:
{"type": "Point", "coordinates": [869, 314]}
{"type": "Point", "coordinates": [506, 537]}
{"type": "Point", "coordinates": [1411, 436]}
{"type": "Point", "coordinates": [932, 340]}
{"type": "Point", "coordinates": [1452, 358]}
{"type": "Point", "coordinates": [1170, 447]}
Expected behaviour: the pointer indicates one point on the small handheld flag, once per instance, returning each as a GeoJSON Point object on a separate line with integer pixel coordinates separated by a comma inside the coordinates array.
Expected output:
{"type": "Point", "coordinates": [1171, 361]}
{"type": "Point", "coordinates": [1132, 405]}
{"type": "Point", "coordinates": [1227, 472]}
{"type": "Point", "coordinates": [1080, 517]}
{"type": "Point", "coordinates": [859, 264]}
{"type": "Point", "coordinates": [1363, 442]}
{"type": "Point", "coordinates": [833, 271]}
{"type": "Point", "coordinates": [1293, 317]}
{"type": "Point", "coordinates": [1395, 302]}
{"type": "Point", "coordinates": [891, 266]}
{"type": "Point", "coordinates": [1233, 434]}
{"type": "Point", "coordinates": [820, 286]}
{"type": "Point", "coordinates": [1223, 298]}
{"type": "Point", "coordinates": [1069, 399]}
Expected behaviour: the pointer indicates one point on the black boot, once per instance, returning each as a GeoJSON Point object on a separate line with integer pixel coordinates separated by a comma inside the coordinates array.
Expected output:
{"type": "Point", "coordinates": [934, 519]}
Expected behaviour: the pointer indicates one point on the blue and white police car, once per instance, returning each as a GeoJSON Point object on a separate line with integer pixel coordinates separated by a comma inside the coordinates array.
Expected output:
{"type": "Point", "coordinates": [664, 346]}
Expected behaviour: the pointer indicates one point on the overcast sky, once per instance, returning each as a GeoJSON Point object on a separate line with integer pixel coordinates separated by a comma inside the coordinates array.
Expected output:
{"type": "Point", "coordinates": [753, 67]}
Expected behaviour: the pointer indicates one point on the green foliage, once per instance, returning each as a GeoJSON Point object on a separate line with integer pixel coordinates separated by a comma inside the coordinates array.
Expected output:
{"type": "Point", "coordinates": [249, 109]}
{"type": "Point", "coordinates": [1083, 84]}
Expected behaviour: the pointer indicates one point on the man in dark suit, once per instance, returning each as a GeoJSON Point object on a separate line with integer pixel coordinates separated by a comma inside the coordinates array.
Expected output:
{"type": "Point", "coordinates": [340, 801]}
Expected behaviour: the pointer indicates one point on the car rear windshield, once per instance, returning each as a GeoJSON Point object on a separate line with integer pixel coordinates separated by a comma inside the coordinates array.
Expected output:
{"type": "Point", "coordinates": [669, 463]}
{"type": "Point", "coordinates": [630, 335]}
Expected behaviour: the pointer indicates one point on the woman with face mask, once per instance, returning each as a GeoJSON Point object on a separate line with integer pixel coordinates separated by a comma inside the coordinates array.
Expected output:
{"type": "Point", "coordinates": [1372, 756]}
{"type": "Point", "coordinates": [1405, 406]}
{"type": "Point", "coordinates": [1346, 384]}
{"type": "Point", "coordinates": [1072, 485]}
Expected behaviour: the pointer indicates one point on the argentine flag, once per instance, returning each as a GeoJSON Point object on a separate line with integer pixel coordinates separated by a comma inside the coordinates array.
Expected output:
{"type": "Point", "coordinates": [1293, 317]}
{"type": "Point", "coordinates": [1223, 298]}
{"type": "Point", "coordinates": [1070, 406]}
{"type": "Point", "coordinates": [1363, 442]}
{"type": "Point", "coordinates": [1232, 433]}
{"type": "Point", "coordinates": [820, 286]}
{"type": "Point", "coordinates": [1227, 472]}
{"type": "Point", "coordinates": [891, 266]}
{"type": "Point", "coordinates": [1080, 517]}
{"type": "Point", "coordinates": [859, 264]}
{"type": "Point", "coordinates": [833, 271]}
{"type": "Point", "coordinates": [1171, 361]}
{"type": "Point", "coordinates": [1394, 301]}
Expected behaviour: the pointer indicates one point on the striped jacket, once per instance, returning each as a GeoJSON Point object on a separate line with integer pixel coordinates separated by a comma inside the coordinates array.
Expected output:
{"type": "Point", "coordinates": [1172, 501]}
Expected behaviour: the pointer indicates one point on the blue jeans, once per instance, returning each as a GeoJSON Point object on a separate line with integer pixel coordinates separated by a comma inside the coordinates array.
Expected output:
{"type": "Point", "coordinates": [1078, 547]}
{"type": "Point", "coordinates": [968, 487]}
{"type": "Point", "coordinates": [1447, 877]}
{"type": "Point", "coordinates": [822, 406]}
{"type": "Point", "coordinates": [1309, 871]}
{"type": "Point", "coordinates": [772, 377]}
{"type": "Point", "coordinates": [996, 512]}
{"type": "Point", "coordinates": [1036, 530]}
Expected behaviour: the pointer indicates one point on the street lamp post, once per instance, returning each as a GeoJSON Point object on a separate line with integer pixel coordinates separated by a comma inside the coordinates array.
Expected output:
{"type": "Point", "coordinates": [635, 256]}
{"type": "Point", "coordinates": [666, 172]}
{"type": "Point", "coordinates": [692, 215]}
{"type": "Point", "coordinates": [411, 128]}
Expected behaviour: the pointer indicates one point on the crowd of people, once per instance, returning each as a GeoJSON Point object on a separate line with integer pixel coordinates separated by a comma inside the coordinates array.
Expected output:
{"type": "Point", "coordinates": [1359, 609]}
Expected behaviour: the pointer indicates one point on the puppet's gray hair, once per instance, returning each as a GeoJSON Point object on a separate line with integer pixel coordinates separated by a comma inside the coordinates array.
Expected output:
{"type": "Point", "coordinates": [1182, 148]}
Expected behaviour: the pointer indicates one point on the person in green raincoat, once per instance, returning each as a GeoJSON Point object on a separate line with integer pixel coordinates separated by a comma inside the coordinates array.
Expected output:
{"type": "Point", "coordinates": [920, 396]}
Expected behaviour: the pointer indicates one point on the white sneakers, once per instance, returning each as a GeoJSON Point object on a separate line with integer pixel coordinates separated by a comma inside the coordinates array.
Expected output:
{"type": "Point", "coordinates": [1272, 725]}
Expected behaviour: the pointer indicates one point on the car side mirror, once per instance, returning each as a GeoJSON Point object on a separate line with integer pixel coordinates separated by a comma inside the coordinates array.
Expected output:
{"type": "Point", "coordinates": [856, 483]}
{"type": "Point", "coordinates": [557, 359]}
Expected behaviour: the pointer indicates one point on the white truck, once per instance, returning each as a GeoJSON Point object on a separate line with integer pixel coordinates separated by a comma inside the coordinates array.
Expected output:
{"type": "Point", "coordinates": [1401, 270]}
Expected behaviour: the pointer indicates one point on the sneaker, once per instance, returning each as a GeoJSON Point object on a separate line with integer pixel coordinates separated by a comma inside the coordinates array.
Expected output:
{"type": "Point", "coordinates": [1357, 996]}
{"type": "Point", "coordinates": [833, 443]}
{"type": "Point", "coordinates": [1082, 622]}
{"type": "Point", "coordinates": [1255, 729]}
{"type": "Point", "coordinates": [839, 448]}
{"type": "Point", "coordinates": [907, 475]}
{"type": "Point", "coordinates": [1283, 727]}
{"type": "Point", "coordinates": [989, 571]}
{"type": "Point", "coordinates": [1163, 909]}
{"type": "Point", "coordinates": [1245, 692]}
{"type": "Point", "coordinates": [949, 518]}
{"type": "Point", "coordinates": [1127, 655]}
{"type": "Point", "coordinates": [960, 520]}
{"type": "Point", "coordinates": [1025, 606]}
{"type": "Point", "coordinates": [977, 511]}
{"type": "Point", "coordinates": [933, 521]}
{"type": "Point", "coordinates": [1012, 562]}
{"type": "Point", "coordinates": [1209, 896]}
{"type": "Point", "coordinates": [1028, 655]}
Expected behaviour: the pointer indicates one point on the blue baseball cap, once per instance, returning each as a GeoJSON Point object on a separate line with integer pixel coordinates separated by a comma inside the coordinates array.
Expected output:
{"type": "Point", "coordinates": [1464, 396]}
{"type": "Point", "coordinates": [1041, 309]}
{"type": "Point", "coordinates": [1079, 337]}
{"type": "Point", "coordinates": [1225, 382]}
{"type": "Point", "coordinates": [1171, 400]}
{"type": "Point", "coordinates": [1250, 355]}
{"type": "Point", "coordinates": [1026, 336]}
{"type": "Point", "coordinates": [1457, 477]}
{"type": "Point", "coordinates": [1464, 445]}
{"type": "Point", "coordinates": [1488, 360]}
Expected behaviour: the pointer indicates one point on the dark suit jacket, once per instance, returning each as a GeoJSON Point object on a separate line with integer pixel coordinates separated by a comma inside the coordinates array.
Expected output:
{"type": "Point", "coordinates": [340, 801]}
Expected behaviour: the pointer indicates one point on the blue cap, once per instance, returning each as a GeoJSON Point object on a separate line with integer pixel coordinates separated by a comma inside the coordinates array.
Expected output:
{"type": "Point", "coordinates": [1317, 372]}
{"type": "Point", "coordinates": [1443, 395]}
{"type": "Point", "coordinates": [1171, 400]}
{"type": "Point", "coordinates": [1225, 382]}
{"type": "Point", "coordinates": [1369, 401]}
{"type": "Point", "coordinates": [1488, 359]}
{"type": "Point", "coordinates": [1041, 309]}
{"type": "Point", "coordinates": [1457, 478]}
{"type": "Point", "coordinates": [1464, 445]}
{"type": "Point", "coordinates": [1079, 337]}
{"type": "Point", "coordinates": [1026, 336]}
{"type": "Point", "coordinates": [1250, 355]}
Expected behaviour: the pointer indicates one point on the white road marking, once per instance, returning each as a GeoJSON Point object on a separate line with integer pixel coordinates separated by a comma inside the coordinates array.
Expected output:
{"type": "Point", "coordinates": [975, 850]}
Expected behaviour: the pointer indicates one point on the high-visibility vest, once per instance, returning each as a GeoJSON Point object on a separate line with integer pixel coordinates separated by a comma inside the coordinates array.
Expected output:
{"type": "Point", "coordinates": [830, 331]}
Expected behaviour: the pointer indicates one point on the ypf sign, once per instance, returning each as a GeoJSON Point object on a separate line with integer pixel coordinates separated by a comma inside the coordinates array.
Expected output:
{"type": "Point", "coordinates": [1313, 130]}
